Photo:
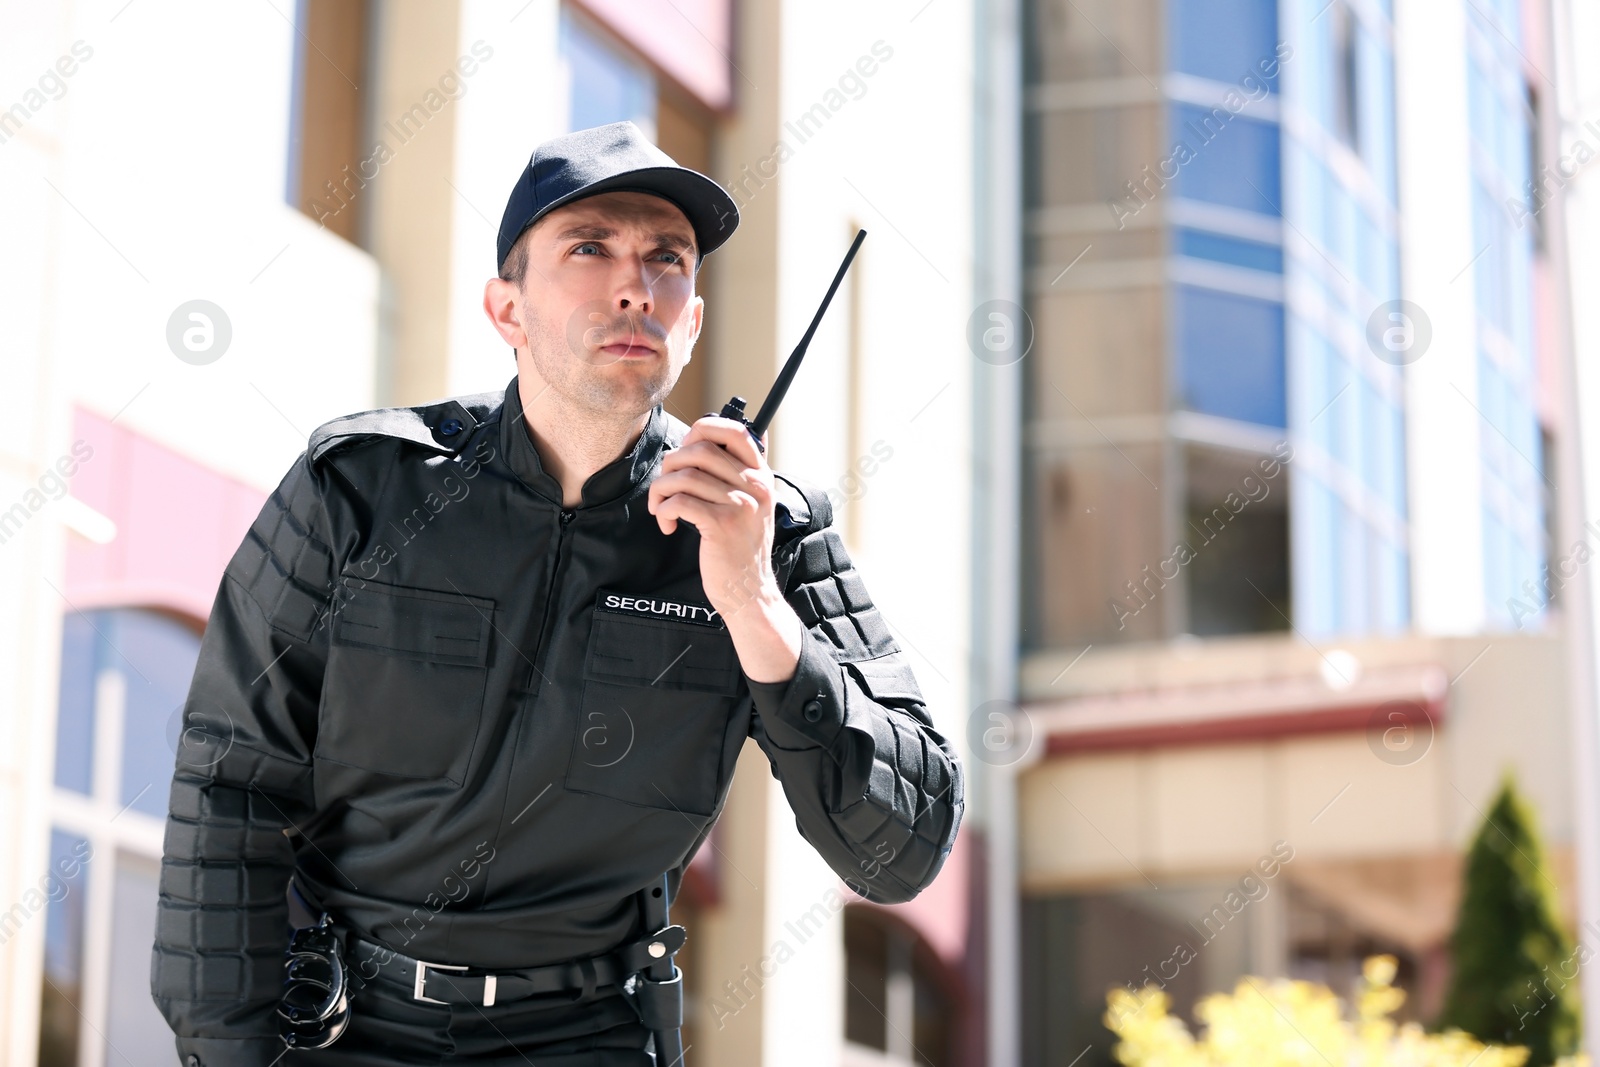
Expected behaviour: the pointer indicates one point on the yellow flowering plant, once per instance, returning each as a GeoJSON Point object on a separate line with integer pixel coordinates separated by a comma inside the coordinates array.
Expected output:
{"type": "Point", "coordinates": [1283, 1023]}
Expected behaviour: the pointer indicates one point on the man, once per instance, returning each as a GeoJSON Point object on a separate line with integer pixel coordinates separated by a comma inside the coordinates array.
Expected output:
{"type": "Point", "coordinates": [479, 673]}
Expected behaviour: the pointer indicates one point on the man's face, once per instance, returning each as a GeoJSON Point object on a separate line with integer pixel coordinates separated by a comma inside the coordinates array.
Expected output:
{"type": "Point", "coordinates": [608, 301]}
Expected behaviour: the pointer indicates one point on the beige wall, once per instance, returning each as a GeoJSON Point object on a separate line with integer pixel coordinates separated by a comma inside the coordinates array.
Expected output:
{"type": "Point", "coordinates": [1109, 818]}
{"type": "Point", "coordinates": [412, 211]}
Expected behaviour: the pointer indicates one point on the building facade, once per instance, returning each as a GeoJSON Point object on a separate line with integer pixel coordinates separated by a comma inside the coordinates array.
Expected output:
{"type": "Point", "coordinates": [1286, 617]}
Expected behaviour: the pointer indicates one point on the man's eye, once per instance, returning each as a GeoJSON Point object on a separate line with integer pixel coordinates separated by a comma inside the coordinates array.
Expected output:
{"type": "Point", "coordinates": [675, 257]}
{"type": "Point", "coordinates": [586, 244]}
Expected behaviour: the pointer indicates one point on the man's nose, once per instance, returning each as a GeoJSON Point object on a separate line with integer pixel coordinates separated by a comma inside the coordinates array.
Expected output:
{"type": "Point", "coordinates": [635, 289]}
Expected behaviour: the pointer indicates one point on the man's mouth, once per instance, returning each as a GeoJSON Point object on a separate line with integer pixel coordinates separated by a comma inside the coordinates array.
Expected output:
{"type": "Point", "coordinates": [624, 350]}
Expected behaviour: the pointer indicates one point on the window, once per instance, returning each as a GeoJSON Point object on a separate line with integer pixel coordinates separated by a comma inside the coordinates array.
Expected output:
{"type": "Point", "coordinates": [1344, 31]}
{"type": "Point", "coordinates": [63, 951]}
{"type": "Point", "coordinates": [1319, 570]}
{"type": "Point", "coordinates": [896, 1010]}
{"type": "Point", "coordinates": [1534, 149]}
{"type": "Point", "coordinates": [1224, 40]}
{"type": "Point", "coordinates": [604, 83]}
{"type": "Point", "coordinates": [1230, 355]}
{"type": "Point", "coordinates": [1238, 530]}
{"type": "Point", "coordinates": [125, 675]}
{"type": "Point", "coordinates": [1234, 160]}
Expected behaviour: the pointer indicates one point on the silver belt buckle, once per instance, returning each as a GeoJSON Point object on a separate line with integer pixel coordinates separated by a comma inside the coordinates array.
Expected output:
{"type": "Point", "coordinates": [422, 979]}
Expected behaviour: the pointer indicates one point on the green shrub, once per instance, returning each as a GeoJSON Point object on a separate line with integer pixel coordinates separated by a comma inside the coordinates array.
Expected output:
{"type": "Point", "coordinates": [1514, 979]}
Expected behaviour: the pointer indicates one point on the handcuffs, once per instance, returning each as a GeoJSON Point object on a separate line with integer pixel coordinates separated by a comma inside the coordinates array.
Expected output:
{"type": "Point", "coordinates": [315, 1007]}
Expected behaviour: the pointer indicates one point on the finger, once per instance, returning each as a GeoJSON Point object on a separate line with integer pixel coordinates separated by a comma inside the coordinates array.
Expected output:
{"type": "Point", "coordinates": [654, 500]}
{"type": "Point", "coordinates": [706, 422]}
{"type": "Point", "coordinates": [734, 436]}
{"type": "Point", "coordinates": [703, 515]}
{"type": "Point", "coordinates": [709, 457]}
{"type": "Point", "coordinates": [725, 432]}
{"type": "Point", "coordinates": [706, 487]}
{"type": "Point", "coordinates": [757, 485]}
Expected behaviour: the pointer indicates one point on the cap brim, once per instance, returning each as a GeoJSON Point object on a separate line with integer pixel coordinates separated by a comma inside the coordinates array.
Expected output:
{"type": "Point", "coordinates": [709, 209]}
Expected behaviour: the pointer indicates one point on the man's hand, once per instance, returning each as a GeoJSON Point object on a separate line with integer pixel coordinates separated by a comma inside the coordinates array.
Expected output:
{"type": "Point", "coordinates": [719, 482]}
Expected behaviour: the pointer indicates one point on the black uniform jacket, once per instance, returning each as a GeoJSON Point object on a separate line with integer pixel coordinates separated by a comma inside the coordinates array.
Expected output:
{"type": "Point", "coordinates": [477, 722]}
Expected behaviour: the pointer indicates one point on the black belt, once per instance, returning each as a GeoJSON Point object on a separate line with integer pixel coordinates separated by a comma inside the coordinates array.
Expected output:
{"type": "Point", "coordinates": [445, 983]}
{"type": "Point", "coordinates": [643, 969]}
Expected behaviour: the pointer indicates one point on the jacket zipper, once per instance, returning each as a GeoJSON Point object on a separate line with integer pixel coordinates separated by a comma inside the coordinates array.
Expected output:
{"type": "Point", "coordinates": [535, 671]}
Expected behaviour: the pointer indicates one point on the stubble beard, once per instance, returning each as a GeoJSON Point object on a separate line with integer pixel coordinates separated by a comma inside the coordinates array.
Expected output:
{"type": "Point", "coordinates": [588, 382]}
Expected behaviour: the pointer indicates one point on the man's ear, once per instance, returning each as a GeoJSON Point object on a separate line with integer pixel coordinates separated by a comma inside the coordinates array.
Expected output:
{"type": "Point", "coordinates": [500, 304]}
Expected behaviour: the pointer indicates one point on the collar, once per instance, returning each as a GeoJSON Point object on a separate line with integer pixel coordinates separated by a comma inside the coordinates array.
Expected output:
{"type": "Point", "coordinates": [608, 483]}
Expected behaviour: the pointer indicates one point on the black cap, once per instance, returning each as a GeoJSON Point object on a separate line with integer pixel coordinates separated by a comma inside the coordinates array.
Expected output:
{"type": "Point", "coordinates": [614, 158]}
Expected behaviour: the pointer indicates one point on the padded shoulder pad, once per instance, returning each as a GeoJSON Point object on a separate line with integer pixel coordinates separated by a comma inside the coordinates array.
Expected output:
{"type": "Point", "coordinates": [801, 508]}
{"type": "Point", "coordinates": [444, 425]}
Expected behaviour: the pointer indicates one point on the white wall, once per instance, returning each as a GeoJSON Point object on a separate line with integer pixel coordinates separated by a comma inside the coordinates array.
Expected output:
{"type": "Point", "coordinates": [516, 101]}
{"type": "Point", "coordinates": [178, 154]}
{"type": "Point", "coordinates": [898, 161]}
{"type": "Point", "coordinates": [36, 390]}
{"type": "Point", "coordinates": [1442, 429]}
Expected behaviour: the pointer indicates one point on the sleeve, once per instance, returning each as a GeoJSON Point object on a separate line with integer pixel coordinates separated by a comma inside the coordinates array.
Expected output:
{"type": "Point", "coordinates": [875, 789]}
{"type": "Point", "coordinates": [242, 782]}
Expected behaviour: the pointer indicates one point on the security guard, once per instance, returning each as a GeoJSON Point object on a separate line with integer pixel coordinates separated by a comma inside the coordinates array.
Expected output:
{"type": "Point", "coordinates": [478, 675]}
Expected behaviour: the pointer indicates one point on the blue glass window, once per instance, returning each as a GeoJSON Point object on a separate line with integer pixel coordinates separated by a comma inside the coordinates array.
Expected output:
{"type": "Point", "coordinates": [1497, 584]}
{"type": "Point", "coordinates": [1230, 355]}
{"type": "Point", "coordinates": [1231, 250]}
{"type": "Point", "coordinates": [1301, 187]}
{"type": "Point", "coordinates": [166, 652]}
{"type": "Point", "coordinates": [1382, 157]}
{"type": "Point", "coordinates": [1394, 488]}
{"type": "Point", "coordinates": [1328, 374]}
{"type": "Point", "coordinates": [1318, 575]}
{"type": "Point", "coordinates": [75, 721]}
{"type": "Point", "coordinates": [1375, 424]}
{"type": "Point", "coordinates": [1491, 273]}
{"type": "Point", "coordinates": [1349, 416]}
{"type": "Point", "coordinates": [1302, 341]}
{"type": "Point", "coordinates": [1235, 159]}
{"type": "Point", "coordinates": [605, 85]}
{"type": "Point", "coordinates": [1224, 40]}
{"type": "Point", "coordinates": [1372, 255]}
{"type": "Point", "coordinates": [1394, 605]}
{"type": "Point", "coordinates": [1342, 212]}
{"type": "Point", "coordinates": [155, 656]}
{"type": "Point", "coordinates": [1342, 413]}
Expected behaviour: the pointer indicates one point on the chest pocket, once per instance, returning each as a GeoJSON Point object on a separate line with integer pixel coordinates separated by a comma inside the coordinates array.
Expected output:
{"type": "Point", "coordinates": [657, 725]}
{"type": "Point", "coordinates": [403, 694]}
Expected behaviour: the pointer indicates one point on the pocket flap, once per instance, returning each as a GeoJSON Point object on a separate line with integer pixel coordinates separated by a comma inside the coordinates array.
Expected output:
{"type": "Point", "coordinates": [671, 655]}
{"type": "Point", "coordinates": [419, 624]}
